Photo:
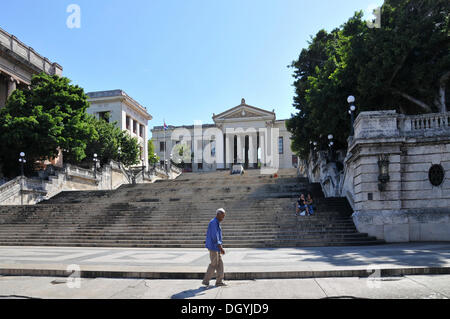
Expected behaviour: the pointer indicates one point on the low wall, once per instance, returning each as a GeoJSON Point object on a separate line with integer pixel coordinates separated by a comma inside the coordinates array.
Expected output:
{"type": "Point", "coordinates": [27, 191]}
{"type": "Point", "coordinates": [405, 225]}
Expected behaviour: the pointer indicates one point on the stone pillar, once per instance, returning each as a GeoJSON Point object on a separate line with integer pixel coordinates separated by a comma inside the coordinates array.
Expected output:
{"type": "Point", "coordinates": [229, 150]}
{"type": "Point", "coordinates": [12, 85]}
{"type": "Point", "coordinates": [3, 90]}
{"type": "Point", "coordinates": [239, 149]}
{"type": "Point", "coordinates": [251, 150]}
{"type": "Point", "coordinates": [262, 144]}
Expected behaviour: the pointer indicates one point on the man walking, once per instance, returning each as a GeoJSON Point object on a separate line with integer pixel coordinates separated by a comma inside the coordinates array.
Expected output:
{"type": "Point", "coordinates": [214, 245]}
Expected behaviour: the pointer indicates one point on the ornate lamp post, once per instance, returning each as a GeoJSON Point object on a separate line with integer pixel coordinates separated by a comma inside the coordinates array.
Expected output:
{"type": "Point", "coordinates": [351, 100]}
{"type": "Point", "coordinates": [22, 161]}
{"type": "Point", "coordinates": [383, 177]}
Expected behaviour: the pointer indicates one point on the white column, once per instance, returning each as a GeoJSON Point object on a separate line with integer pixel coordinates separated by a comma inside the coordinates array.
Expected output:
{"type": "Point", "coordinates": [229, 150]}
{"type": "Point", "coordinates": [145, 147]}
{"type": "Point", "coordinates": [262, 145]}
{"type": "Point", "coordinates": [251, 150]}
{"type": "Point", "coordinates": [239, 149]}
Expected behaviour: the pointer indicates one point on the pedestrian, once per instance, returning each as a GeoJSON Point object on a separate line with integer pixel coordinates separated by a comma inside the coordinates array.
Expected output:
{"type": "Point", "coordinates": [215, 248]}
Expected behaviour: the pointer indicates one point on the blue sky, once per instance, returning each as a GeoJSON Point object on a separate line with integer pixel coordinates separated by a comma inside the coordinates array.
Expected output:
{"type": "Point", "coordinates": [182, 59]}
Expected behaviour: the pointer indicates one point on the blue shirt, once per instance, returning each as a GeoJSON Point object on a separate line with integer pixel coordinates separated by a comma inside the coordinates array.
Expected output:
{"type": "Point", "coordinates": [214, 235]}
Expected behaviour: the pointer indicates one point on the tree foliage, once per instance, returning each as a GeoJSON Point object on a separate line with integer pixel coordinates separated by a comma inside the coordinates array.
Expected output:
{"type": "Point", "coordinates": [111, 143]}
{"type": "Point", "coordinates": [51, 114]}
{"type": "Point", "coordinates": [404, 65]}
{"type": "Point", "coordinates": [152, 157]}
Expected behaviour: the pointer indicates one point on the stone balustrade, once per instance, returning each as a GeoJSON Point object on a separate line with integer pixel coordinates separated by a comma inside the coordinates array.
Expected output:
{"type": "Point", "coordinates": [381, 124]}
{"type": "Point", "coordinates": [425, 122]}
{"type": "Point", "coordinates": [80, 172]}
{"type": "Point", "coordinates": [30, 191]}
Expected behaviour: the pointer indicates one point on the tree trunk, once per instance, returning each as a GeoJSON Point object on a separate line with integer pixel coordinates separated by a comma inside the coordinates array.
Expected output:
{"type": "Point", "coordinates": [419, 103]}
{"type": "Point", "coordinates": [442, 84]}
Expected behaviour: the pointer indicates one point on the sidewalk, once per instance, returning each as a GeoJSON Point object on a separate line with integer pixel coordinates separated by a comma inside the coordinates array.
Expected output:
{"type": "Point", "coordinates": [240, 264]}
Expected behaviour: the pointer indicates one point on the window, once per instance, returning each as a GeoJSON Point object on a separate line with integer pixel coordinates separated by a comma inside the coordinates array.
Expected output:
{"type": "Point", "coordinates": [280, 145]}
{"type": "Point", "coordinates": [436, 175]}
{"type": "Point", "coordinates": [104, 116]}
{"type": "Point", "coordinates": [200, 166]}
{"type": "Point", "coordinates": [213, 148]}
{"type": "Point", "coordinates": [134, 127]}
{"type": "Point", "coordinates": [162, 146]}
{"type": "Point", "coordinates": [141, 130]}
{"type": "Point", "coordinates": [128, 121]}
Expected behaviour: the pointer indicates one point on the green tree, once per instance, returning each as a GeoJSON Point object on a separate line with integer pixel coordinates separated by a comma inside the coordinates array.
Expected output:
{"type": "Point", "coordinates": [111, 143]}
{"type": "Point", "coordinates": [152, 157]}
{"type": "Point", "coordinates": [51, 114]}
{"type": "Point", "coordinates": [404, 65]}
{"type": "Point", "coordinates": [105, 144]}
{"type": "Point", "coordinates": [130, 152]}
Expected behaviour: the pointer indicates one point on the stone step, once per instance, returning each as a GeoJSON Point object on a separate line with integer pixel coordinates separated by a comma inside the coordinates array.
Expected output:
{"type": "Point", "coordinates": [183, 211]}
{"type": "Point", "coordinates": [189, 206]}
{"type": "Point", "coordinates": [262, 244]}
{"type": "Point", "coordinates": [198, 224]}
{"type": "Point", "coordinates": [192, 237]}
{"type": "Point", "coordinates": [199, 242]}
{"type": "Point", "coordinates": [187, 219]}
{"type": "Point", "coordinates": [172, 232]}
{"type": "Point", "coordinates": [176, 214]}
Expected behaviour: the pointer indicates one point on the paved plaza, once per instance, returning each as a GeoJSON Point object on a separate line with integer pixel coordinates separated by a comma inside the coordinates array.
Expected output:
{"type": "Point", "coordinates": [240, 264]}
{"type": "Point", "coordinates": [406, 287]}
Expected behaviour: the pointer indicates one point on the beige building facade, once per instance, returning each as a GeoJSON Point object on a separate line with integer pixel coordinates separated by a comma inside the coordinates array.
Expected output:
{"type": "Point", "coordinates": [244, 134]}
{"type": "Point", "coordinates": [18, 63]}
{"type": "Point", "coordinates": [117, 106]}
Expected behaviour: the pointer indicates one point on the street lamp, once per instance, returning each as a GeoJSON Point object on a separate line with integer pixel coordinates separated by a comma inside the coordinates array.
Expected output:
{"type": "Point", "coordinates": [22, 161]}
{"type": "Point", "coordinates": [330, 138]}
{"type": "Point", "coordinates": [351, 100]}
{"type": "Point", "coordinates": [330, 145]}
{"type": "Point", "coordinates": [96, 160]}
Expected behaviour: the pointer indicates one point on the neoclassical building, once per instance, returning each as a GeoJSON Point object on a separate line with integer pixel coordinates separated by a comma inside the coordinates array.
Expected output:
{"type": "Point", "coordinates": [118, 106]}
{"type": "Point", "coordinates": [18, 63]}
{"type": "Point", "coordinates": [244, 134]}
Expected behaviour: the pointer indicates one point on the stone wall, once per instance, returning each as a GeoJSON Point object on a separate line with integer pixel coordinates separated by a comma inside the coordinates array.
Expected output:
{"type": "Point", "coordinates": [28, 191]}
{"type": "Point", "coordinates": [410, 208]}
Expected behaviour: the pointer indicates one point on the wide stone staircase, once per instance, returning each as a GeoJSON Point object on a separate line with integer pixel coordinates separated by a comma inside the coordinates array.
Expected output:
{"type": "Point", "coordinates": [260, 213]}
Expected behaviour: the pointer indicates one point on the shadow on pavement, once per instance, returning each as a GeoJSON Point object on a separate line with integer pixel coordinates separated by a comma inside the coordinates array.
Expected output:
{"type": "Point", "coordinates": [191, 293]}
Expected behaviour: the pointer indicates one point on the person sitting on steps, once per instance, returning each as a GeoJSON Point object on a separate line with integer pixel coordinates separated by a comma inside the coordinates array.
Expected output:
{"type": "Point", "coordinates": [310, 204]}
{"type": "Point", "coordinates": [302, 208]}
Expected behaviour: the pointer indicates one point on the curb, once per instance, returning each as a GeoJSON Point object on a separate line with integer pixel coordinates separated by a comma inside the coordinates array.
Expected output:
{"type": "Point", "coordinates": [364, 273]}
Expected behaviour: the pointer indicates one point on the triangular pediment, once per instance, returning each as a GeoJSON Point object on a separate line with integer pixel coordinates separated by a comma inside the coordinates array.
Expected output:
{"type": "Point", "coordinates": [244, 112]}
